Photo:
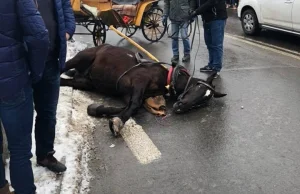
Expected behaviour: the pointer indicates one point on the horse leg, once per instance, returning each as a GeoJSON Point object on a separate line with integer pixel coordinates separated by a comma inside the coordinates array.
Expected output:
{"type": "Point", "coordinates": [81, 61]}
{"type": "Point", "coordinates": [66, 82]}
{"type": "Point", "coordinates": [99, 110]}
{"type": "Point", "coordinates": [136, 100]}
{"type": "Point", "coordinates": [79, 83]}
{"type": "Point", "coordinates": [71, 72]}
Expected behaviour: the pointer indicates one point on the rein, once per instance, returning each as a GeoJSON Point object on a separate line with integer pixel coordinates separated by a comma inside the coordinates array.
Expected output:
{"type": "Point", "coordinates": [173, 75]}
{"type": "Point", "coordinates": [139, 64]}
{"type": "Point", "coordinates": [117, 84]}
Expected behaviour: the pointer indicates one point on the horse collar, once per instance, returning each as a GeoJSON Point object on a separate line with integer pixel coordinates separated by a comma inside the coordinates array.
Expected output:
{"type": "Point", "coordinates": [170, 72]}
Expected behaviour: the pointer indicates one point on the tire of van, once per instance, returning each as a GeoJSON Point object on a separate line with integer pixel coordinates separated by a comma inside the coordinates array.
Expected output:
{"type": "Point", "coordinates": [250, 23]}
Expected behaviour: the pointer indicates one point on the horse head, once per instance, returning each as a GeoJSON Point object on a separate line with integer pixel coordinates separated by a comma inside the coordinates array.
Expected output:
{"type": "Point", "coordinates": [191, 92]}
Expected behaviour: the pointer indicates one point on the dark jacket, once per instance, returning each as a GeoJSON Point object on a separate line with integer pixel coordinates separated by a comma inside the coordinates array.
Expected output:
{"type": "Point", "coordinates": [178, 10]}
{"type": "Point", "coordinates": [48, 13]}
{"type": "Point", "coordinates": [212, 10]}
{"type": "Point", "coordinates": [66, 24]}
{"type": "Point", "coordinates": [23, 45]}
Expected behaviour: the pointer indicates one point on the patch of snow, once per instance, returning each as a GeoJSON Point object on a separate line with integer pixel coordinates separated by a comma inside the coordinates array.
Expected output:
{"type": "Point", "coordinates": [112, 145]}
{"type": "Point", "coordinates": [74, 48]}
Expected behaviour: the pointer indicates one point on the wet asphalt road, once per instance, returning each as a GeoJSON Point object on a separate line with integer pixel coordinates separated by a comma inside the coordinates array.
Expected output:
{"type": "Point", "coordinates": [275, 38]}
{"type": "Point", "coordinates": [220, 148]}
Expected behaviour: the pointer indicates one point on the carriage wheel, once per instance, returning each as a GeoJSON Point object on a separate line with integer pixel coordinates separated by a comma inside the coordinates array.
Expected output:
{"type": "Point", "coordinates": [152, 25]}
{"type": "Point", "coordinates": [129, 31]}
{"type": "Point", "coordinates": [99, 33]}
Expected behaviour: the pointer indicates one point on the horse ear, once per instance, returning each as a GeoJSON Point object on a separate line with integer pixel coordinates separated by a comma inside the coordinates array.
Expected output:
{"type": "Point", "coordinates": [210, 79]}
{"type": "Point", "coordinates": [219, 95]}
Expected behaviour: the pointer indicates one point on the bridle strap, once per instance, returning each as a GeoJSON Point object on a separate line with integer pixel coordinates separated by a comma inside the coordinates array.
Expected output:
{"type": "Point", "coordinates": [175, 73]}
{"type": "Point", "coordinates": [187, 84]}
{"type": "Point", "coordinates": [203, 83]}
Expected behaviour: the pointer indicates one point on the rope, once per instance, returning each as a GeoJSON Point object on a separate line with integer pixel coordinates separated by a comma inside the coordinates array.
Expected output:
{"type": "Point", "coordinates": [196, 25]}
{"type": "Point", "coordinates": [180, 27]}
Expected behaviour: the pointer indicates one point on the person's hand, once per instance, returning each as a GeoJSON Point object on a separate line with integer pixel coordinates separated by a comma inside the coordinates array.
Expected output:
{"type": "Point", "coordinates": [191, 16]}
{"type": "Point", "coordinates": [67, 36]}
{"type": "Point", "coordinates": [164, 19]}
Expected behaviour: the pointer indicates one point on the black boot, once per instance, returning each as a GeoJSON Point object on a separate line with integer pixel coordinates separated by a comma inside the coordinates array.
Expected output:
{"type": "Point", "coordinates": [52, 164]}
{"type": "Point", "coordinates": [5, 190]}
{"type": "Point", "coordinates": [175, 59]}
{"type": "Point", "coordinates": [186, 58]}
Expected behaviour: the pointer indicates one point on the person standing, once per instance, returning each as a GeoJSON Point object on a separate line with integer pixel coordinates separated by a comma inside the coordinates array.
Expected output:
{"type": "Point", "coordinates": [23, 50]}
{"type": "Point", "coordinates": [60, 22]}
{"type": "Point", "coordinates": [177, 11]}
{"type": "Point", "coordinates": [214, 16]}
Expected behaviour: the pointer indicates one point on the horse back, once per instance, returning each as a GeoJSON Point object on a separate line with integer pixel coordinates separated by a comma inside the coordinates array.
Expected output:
{"type": "Point", "coordinates": [109, 64]}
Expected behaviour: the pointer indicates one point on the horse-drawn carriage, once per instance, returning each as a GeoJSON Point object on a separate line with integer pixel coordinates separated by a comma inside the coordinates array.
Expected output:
{"type": "Point", "coordinates": [129, 15]}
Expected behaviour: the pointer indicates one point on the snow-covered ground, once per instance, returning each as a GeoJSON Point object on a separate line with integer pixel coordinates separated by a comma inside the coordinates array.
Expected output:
{"type": "Point", "coordinates": [72, 143]}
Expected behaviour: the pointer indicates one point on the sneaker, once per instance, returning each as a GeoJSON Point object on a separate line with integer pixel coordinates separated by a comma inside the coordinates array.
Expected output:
{"type": "Point", "coordinates": [175, 59]}
{"type": "Point", "coordinates": [52, 164]}
{"type": "Point", "coordinates": [217, 75]}
{"type": "Point", "coordinates": [186, 58]}
{"type": "Point", "coordinates": [206, 69]}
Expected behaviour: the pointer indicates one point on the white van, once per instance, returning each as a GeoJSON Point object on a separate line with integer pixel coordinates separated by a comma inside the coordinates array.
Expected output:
{"type": "Point", "coordinates": [282, 15]}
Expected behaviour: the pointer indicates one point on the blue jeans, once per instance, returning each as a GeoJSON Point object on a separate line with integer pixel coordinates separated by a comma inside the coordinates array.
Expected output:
{"type": "Point", "coordinates": [16, 114]}
{"type": "Point", "coordinates": [214, 37]}
{"type": "Point", "coordinates": [183, 28]}
{"type": "Point", "coordinates": [45, 95]}
{"type": "Point", "coordinates": [231, 2]}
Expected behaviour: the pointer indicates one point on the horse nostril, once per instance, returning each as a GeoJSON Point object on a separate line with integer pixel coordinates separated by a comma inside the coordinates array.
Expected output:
{"type": "Point", "coordinates": [177, 107]}
{"type": "Point", "coordinates": [163, 108]}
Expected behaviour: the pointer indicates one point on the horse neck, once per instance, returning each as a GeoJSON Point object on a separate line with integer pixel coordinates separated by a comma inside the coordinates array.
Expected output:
{"type": "Point", "coordinates": [193, 81]}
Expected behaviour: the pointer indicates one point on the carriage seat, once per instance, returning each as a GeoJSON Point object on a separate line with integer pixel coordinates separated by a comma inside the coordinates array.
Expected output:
{"type": "Point", "coordinates": [91, 9]}
{"type": "Point", "coordinates": [126, 2]}
{"type": "Point", "coordinates": [128, 10]}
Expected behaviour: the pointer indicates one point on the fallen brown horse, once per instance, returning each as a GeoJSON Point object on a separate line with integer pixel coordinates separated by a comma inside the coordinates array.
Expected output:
{"type": "Point", "coordinates": [116, 71]}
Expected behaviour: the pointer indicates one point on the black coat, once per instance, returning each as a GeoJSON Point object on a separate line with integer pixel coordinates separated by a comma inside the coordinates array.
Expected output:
{"type": "Point", "coordinates": [212, 10]}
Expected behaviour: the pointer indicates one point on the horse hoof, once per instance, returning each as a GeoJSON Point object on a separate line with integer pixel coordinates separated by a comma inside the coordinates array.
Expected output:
{"type": "Point", "coordinates": [71, 73]}
{"type": "Point", "coordinates": [92, 110]}
{"type": "Point", "coordinates": [115, 125]}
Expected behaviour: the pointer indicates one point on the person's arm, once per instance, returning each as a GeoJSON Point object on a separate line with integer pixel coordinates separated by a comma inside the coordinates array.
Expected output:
{"type": "Point", "coordinates": [207, 5]}
{"type": "Point", "coordinates": [69, 18]}
{"type": "Point", "coordinates": [193, 4]}
{"type": "Point", "coordinates": [35, 36]}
